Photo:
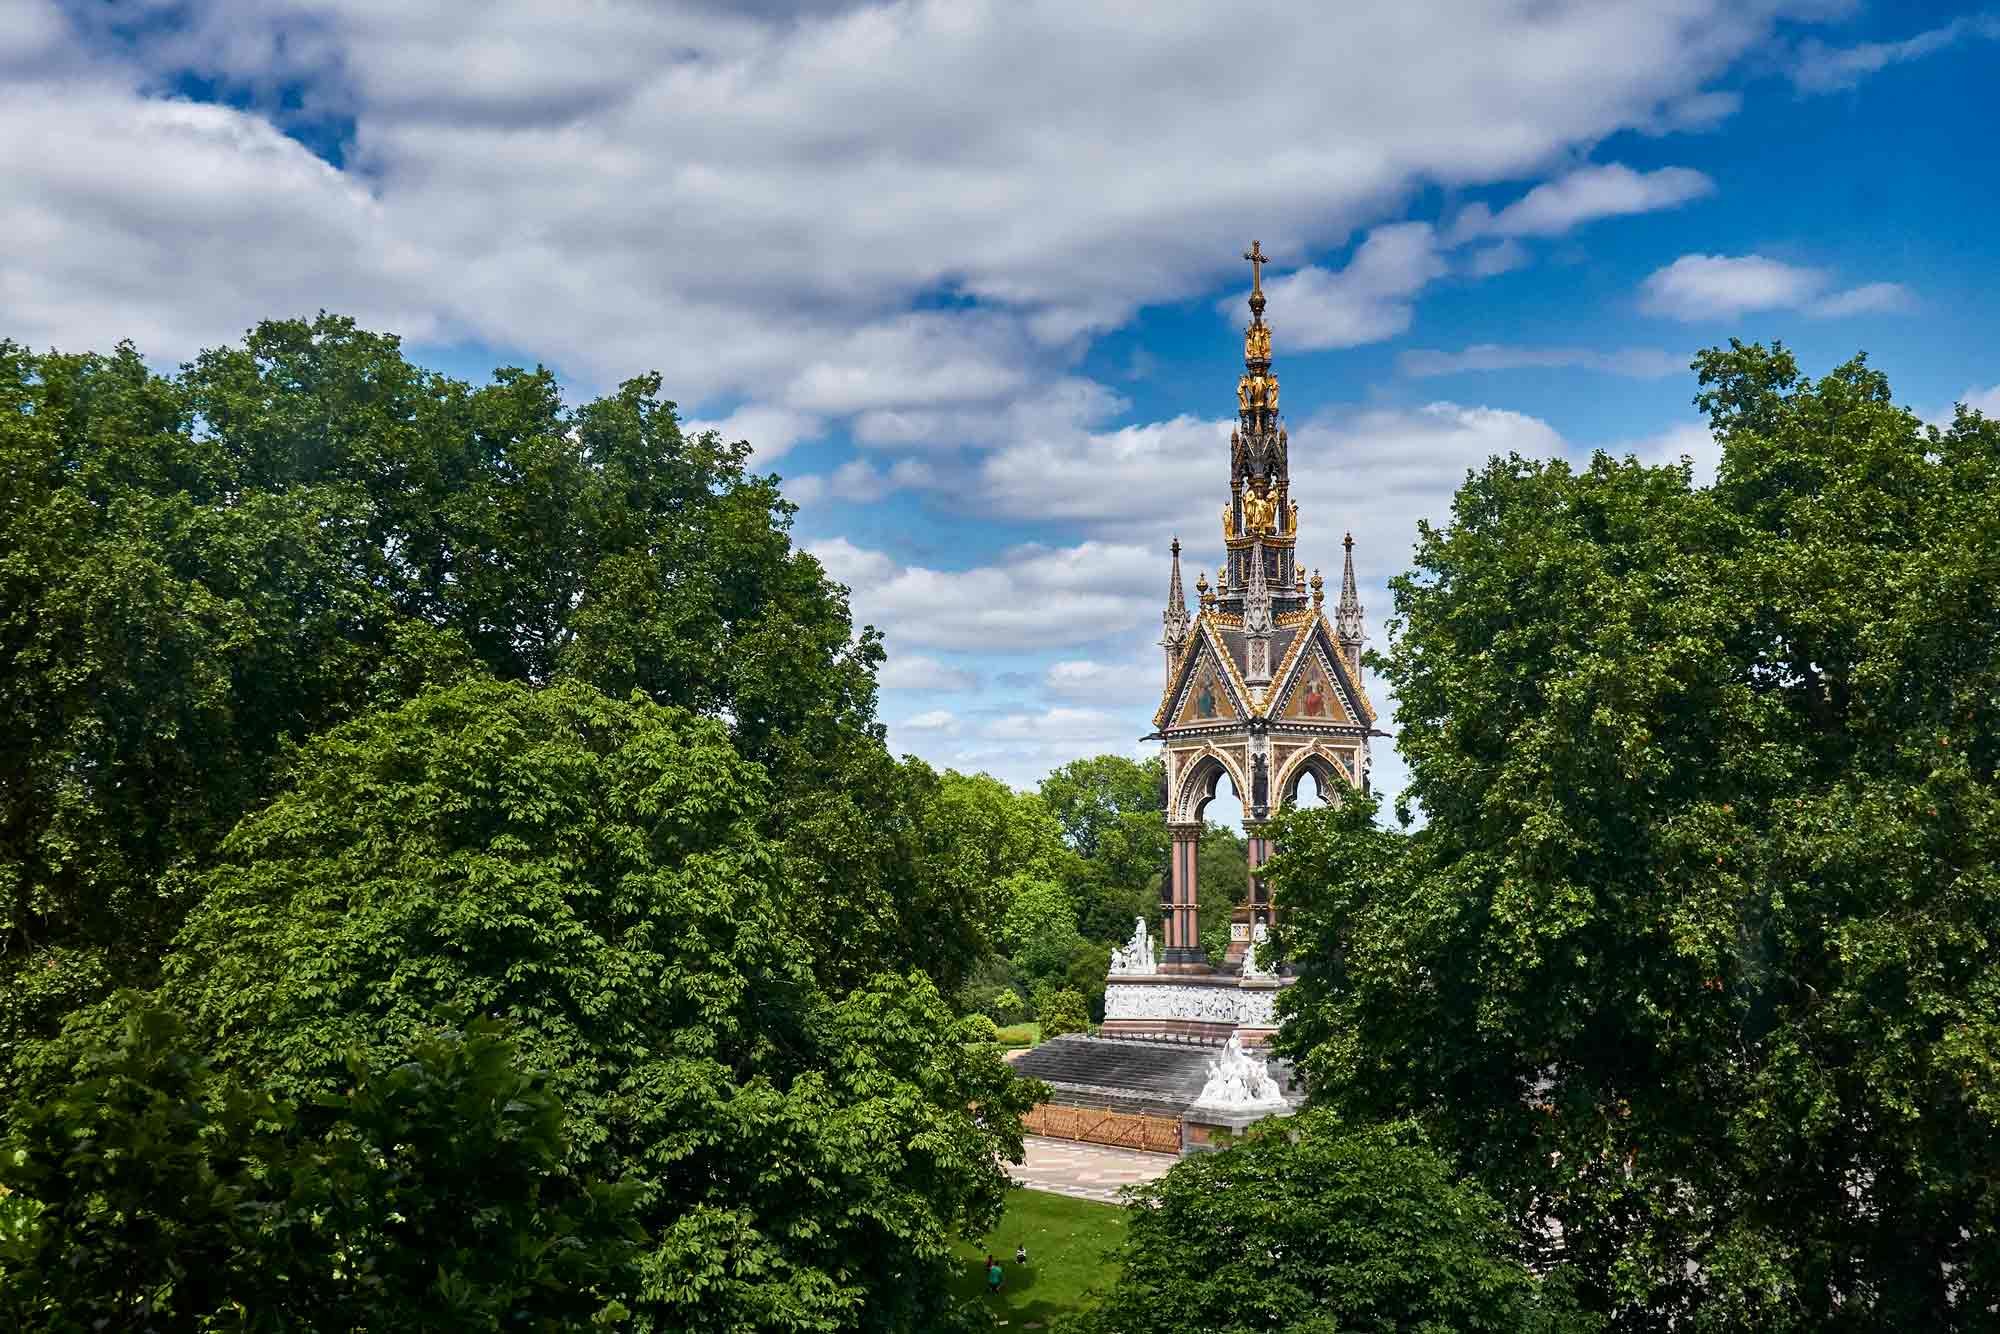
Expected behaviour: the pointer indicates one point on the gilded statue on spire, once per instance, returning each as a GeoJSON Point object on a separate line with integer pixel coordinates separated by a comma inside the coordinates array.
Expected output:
{"type": "Point", "coordinates": [1258, 511]}
{"type": "Point", "coordinates": [1257, 343]}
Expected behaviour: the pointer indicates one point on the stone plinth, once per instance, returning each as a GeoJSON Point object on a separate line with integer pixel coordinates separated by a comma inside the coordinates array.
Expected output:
{"type": "Point", "coordinates": [1197, 1005]}
{"type": "Point", "coordinates": [1206, 1129]}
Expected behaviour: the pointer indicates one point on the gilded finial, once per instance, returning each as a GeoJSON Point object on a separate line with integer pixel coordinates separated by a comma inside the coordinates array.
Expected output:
{"type": "Point", "coordinates": [1258, 259]}
{"type": "Point", "coordinates": [1319, 589]}
{"type": "Point", "coordinates": [1201, 587]}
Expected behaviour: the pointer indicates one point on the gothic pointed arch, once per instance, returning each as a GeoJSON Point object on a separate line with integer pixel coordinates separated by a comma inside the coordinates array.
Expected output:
{"type": "Point", "coordinates": [1327, 769]}
{"type": "Point", "coordinates": [1199, 782]}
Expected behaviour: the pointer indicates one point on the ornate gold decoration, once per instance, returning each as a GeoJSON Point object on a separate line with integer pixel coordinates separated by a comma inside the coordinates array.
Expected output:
{"type": "Point", "coordinates": [1201, 587]}
{"type": "Point", "coordinates": [1294, 518]}
{"type": "Point", "coordinates": [1258, 259]}
{"type": "Point", "coordinates": [1258, 511]}
{"type": "Point", "coordinates": [1319, 589]}
{"type": "Point", "coordinates": [1257, 343]}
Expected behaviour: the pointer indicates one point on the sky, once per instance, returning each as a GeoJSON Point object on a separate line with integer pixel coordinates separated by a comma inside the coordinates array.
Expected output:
{"type": "Point", "coordinates": [967, 275]}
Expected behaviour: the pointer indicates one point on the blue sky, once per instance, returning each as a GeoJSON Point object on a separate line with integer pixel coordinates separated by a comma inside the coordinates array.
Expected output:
{"type": "Point", "coordinates": [966, 274]}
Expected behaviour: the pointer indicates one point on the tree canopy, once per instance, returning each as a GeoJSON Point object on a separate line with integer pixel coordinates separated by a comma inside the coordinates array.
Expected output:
{"type": "Point", "coordinates": [1309, 1227]}
{"type": "Point", "coordinates": [595, 871]}
{"type": "Point", "coordinates": [201, 570]}
{"type": "Point", "coordinates": [158, 1193]}
{"type": "Point", "coordinates": [1693, 960]}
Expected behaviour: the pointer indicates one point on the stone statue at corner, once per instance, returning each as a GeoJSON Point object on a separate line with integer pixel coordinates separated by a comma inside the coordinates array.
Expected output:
{"type": "Point", "coordinates": [1253, 962]}
{"type": "Point", "coordinates": [1135, 956]}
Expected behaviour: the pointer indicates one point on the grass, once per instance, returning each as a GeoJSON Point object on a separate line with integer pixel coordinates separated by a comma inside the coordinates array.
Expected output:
{"type": "Point", "coordinates": [1019, 1035]}
{"type": "Point", "coordinates": [1068, 1243]}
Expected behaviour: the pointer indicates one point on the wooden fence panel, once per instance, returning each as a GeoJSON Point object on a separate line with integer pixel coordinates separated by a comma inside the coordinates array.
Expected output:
{"type": "Point", "coordinates": [1101, 1125]}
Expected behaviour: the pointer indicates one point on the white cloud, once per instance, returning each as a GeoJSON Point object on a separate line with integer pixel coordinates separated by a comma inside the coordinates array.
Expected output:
{"type": "Point", "coordinates": [757, 203]}
{"type": "Point", "coordinates": [1698, 287]}
{"type": "Point", "coordinates": [1601, 191]}
{"type": "Point", "coordinates": [771, 431]}
{"type": "Point", "coordinates": [1690, 440]}
{"type": "Point", "coordinates": [936, 720]}
{"type": "Point", "coordinates": [1867, 299]}
{"type": "Point", "coordinates": [1504, 257]}
{"type": "Point", "coordinates": [1637, 362]}
{"type": "Point", "coordinates": [1986, 401]}
{"type": "Point", "coordinates": [1086, 678]}
{"type": "Point", "coordinates": [1819, 68]}
{"type": "Point", "coordinates": [914, 671]}
{"type": "Point", "coordinates": [1033, 597]}
{"type": "Point", "coordinates": [1368, 300]}
{"type": "Point", "coordinates": [176, 224]}
{"type": "Point", "coordinates": [860, 481]}
{"type": "Point", "coordinates": [1061, 723]}
{"type": "Point", "coordinates": [1140, 485]}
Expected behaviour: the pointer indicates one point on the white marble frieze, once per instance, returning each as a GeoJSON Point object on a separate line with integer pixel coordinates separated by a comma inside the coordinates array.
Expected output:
{"type": "Point", "coordinates": [1243, 1007]}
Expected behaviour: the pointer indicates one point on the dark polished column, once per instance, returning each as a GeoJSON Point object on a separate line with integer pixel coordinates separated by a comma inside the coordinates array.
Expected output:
{"type": "Point", "coordinates": [1183, 929]}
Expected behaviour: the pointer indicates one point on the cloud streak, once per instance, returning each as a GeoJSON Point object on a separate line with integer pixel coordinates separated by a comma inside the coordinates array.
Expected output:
{"type": "Point", "coordinates": [1705, 287]}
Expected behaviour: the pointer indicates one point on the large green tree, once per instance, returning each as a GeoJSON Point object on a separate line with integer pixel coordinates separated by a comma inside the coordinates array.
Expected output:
{"type": "Point", "coordinates": [202, 569]}
{"type": "Point", "coordinates": [156, 1193]}
{"type": "Point", "coordinates": [1696, 957]}
{"type": "Point", "coordinates": [596, 871]}
{"type": "Point", "coordinates": [1112, 813]}
{"type": "Point", "coordinates": [1310, 1227]}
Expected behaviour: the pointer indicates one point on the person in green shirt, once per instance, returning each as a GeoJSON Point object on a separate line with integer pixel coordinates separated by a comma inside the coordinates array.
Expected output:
{"type": "Point", "coordinates": [993, 1274]}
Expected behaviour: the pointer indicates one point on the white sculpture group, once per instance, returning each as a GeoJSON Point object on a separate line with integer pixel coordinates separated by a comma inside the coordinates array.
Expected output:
{"type": "Point", "coordinates": [1253, 966]}
{"type": "Point", "coordinates": [1239, 1081]}
{"type": "Point", "coordinates": [1135, 956]}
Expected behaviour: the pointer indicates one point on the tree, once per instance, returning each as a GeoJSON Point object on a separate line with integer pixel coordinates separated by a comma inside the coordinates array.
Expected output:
{"type": "Point", "coordinates": [596, 871]}
{"type": "Point", "coordinates": [1039, 929]}
{"type": "Point", "coordinates": [154, 1192]}
{"type": "Point", "coordinates": [1693, 955]}
{"type": "Point", "coordinates": [1087, 797]}
{"type": "Point", "coordinates": [1110, 811]}
{"type": "Point", "coordinates": [1222, 882]}
{"type": "Point", "coordinates": [202, 570]}
{"type": "Point", "coordinates": [1061, 1010]}
{"type": "Point", "coordinates": [1307, 1227]}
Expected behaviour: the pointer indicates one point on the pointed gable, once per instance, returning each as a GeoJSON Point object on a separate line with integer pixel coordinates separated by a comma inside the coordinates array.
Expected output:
{"type": "Point", "coordinates": [1316, 661]}
{"type": "Point", "coordinates": [1207, 688]}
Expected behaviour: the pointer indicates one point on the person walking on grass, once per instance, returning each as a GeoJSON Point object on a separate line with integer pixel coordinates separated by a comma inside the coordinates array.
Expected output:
{"type": "Point", "coordinates": [993, 1274]}
{"type": "Point", "coordinates": [1021, 1254]}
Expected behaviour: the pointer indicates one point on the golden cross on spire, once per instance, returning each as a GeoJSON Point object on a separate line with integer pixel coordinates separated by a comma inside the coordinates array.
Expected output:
{"type": "Point", "coordinates": [1258, 259]}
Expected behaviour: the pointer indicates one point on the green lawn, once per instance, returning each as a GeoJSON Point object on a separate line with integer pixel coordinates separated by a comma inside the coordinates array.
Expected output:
{"type": "Point", "coordinates": [1067, 1240]}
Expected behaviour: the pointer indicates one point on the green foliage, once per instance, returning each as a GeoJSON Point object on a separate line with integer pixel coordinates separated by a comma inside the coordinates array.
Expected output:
{"type": "Point", "coordinates": [1222, 882]}
{"type": "Point", "coordinates": [1039, 929]}
{"type": "Point", "coordinates": [597, 872]}
{"type": "Point", "coordinates": [1306, 1227]}
{"type": "Point", "coordinates": [979, 1028]}
{"type": "Point", "coordinates": [1695, 954]}
{"type": "Point", "coordinates": [1089, 798]}
{"type": "Point", "coordinates": [1061, 1010]}
{"type": "Point", "coordinates": [154, 1193]}
{"type": "Point", "coordinates": [198, 571]}
{"type": "Point", "coordinates": [1111, 811]}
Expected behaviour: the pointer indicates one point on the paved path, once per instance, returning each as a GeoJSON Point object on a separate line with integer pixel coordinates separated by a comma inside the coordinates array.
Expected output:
{"type": "Point", "coordinates": [1087, 1171]}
